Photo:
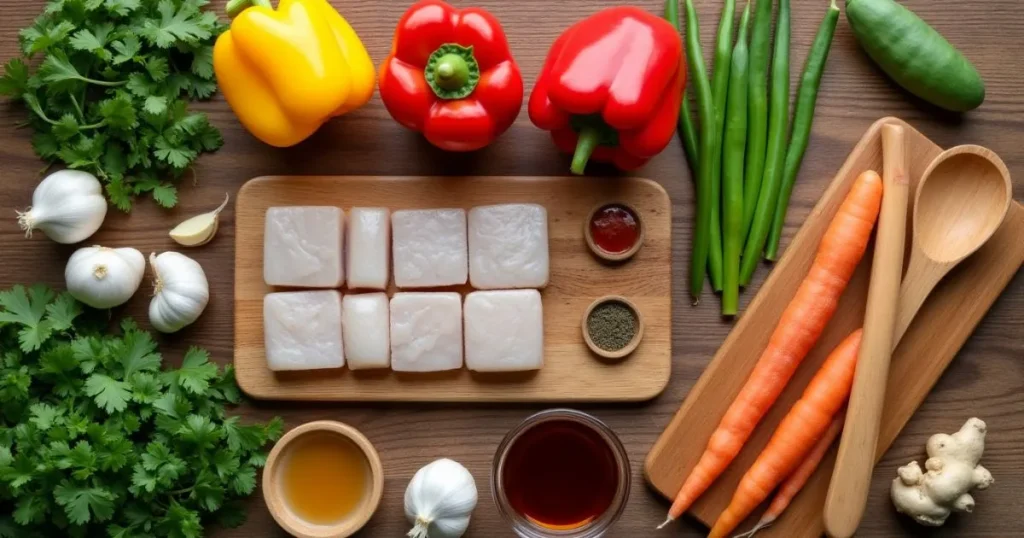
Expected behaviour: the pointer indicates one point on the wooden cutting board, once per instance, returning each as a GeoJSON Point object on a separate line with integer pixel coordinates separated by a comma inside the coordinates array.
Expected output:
{"type": "Point", "coordinates": [939, 331]}
{"type": "Point", "coordinates": [570, 374]}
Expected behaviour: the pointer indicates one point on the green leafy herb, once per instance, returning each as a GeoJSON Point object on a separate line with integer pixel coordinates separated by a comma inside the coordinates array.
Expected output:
{"type": "Point", "coordinates": [107, 83]}
{"type": "Point", "coordinates": [97, 440]}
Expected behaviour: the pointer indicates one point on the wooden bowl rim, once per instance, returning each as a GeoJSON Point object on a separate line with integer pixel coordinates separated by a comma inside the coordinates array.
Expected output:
{"type": "Point", "coordinates": [293, 524]}
{"type": "Point", "coordinates": [613, 256]}
{"type": "Point", "coordinates": [631, 346]}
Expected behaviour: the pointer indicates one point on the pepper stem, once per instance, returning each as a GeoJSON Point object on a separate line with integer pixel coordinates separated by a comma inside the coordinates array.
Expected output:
{"type": "Point", "coordinates": [235, 7]}
{"type": "Point", "coordinates": [590, 138]}
{"type": "Point", "coordinates": [452, 71]}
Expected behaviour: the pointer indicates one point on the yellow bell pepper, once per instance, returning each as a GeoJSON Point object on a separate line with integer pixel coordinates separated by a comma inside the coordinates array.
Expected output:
{"type": "Point", "coordinates": [286, 72]}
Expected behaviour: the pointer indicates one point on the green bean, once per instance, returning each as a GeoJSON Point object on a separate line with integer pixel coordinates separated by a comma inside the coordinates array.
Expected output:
{"type": "Point", "coordinates": [733, 146]}
{"type": "Point", "coordinates": [687, 131]}
{"type": "Point", "coordinates": [757, 101]}
{"type": "Point", "coordinates": [777, 135]}
{"type": "Point", "coordinates": [719, 87]}
{"type": "Point", "coordinates": [706, 109]}
{"type": "Point", "coordinates": [803, 117]}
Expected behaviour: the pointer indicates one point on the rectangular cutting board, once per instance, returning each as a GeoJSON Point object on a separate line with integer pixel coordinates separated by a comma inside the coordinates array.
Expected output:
{"type": "Point", "coordinates": [570, 374]}
{"type": "Point", "coordinates": [939, 331]}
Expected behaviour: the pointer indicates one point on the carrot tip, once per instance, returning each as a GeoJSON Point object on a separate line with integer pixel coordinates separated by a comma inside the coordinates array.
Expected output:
{"type": "Point", "coordinates": [666, 523]}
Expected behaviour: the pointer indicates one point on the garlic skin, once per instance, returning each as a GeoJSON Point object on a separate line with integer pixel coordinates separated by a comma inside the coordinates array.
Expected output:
{"type": "Point", "coordinates": [181, 292]}
{"type": "Point", "coordinates": [104, 277]}
{"type": "Point", "coordinates": [439, 500]}
{"type": "Point", "coordinates": [68, 206]}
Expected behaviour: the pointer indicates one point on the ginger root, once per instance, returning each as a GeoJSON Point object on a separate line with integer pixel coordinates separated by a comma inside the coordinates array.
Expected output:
{"type": "Point", "coordinates": [951, 472]}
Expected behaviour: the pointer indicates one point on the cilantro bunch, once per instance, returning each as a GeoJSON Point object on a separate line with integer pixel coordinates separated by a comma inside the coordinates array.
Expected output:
{"type": "Point", "coordinates": [97, 440]}
{"type": "Point", "coordinates": [107, 85]}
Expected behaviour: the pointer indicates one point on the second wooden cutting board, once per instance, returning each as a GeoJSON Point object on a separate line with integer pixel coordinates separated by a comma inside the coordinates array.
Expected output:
{"type": "Point", "coordinates": [940, 329]}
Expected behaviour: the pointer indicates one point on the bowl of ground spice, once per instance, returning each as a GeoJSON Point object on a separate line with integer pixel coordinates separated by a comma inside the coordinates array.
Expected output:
{"type": "Point", "coordinates": [612, 327]}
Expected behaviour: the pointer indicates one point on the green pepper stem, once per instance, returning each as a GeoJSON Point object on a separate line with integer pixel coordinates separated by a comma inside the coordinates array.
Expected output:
{"type": "Point", "coordinates": [452, 72]}
{"type": "Point", "coordinates": [590, 138]}
{"type": "Point", "coordinates": [235, 7]}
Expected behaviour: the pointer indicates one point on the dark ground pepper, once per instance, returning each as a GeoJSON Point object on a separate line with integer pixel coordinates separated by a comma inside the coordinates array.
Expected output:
{"type": "Point", "coordinates": [612, 325]}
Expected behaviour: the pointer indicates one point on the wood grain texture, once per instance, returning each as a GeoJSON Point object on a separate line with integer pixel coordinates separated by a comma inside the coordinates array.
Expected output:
{"type": "Point", "coordinates": [952, 311]}
{"type": "Point", "coordinates": [986, 379]}
{"type": "Point", "coordinates": [571, 373]}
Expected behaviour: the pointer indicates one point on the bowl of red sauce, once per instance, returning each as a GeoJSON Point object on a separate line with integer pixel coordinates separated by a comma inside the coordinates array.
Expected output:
{"type": "Point", "coordinates": [614, 231]}
{"type": "Point", "coordinates": [561, 474]}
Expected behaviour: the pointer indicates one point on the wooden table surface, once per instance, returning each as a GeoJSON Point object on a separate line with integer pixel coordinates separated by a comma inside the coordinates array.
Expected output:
{"type": "Point", "coordinates": [986, 380]}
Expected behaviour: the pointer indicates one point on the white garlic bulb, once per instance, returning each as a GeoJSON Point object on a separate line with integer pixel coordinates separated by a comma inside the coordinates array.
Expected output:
{"type": "Point", "coordinates": [104, 277]}
{"type": "Point", "coordinates": [439, 500]}
{"type": "Point", "coordinates": [68, 206]}
{"type": "Point", "coordinates": [181, 292]}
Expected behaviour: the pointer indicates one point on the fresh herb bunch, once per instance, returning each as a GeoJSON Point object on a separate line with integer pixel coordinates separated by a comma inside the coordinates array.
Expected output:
{"type": "Point", "coordinates": [97, 440]}
{"type": "Point", "coordinates": [107, 84]}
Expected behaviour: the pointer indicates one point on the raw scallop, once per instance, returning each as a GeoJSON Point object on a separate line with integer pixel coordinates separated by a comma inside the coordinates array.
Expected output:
{"type": "Point", "coordinates": [426, 332]}
{"type": "Point", "coordinates": [302, 247]}
{"type": "Point", "coordinates": [508, 246]}
{"type": "Point", "coordinates": [365, 323]}
{"type": "Point", "coordinates": [504, 331]}
{"type": "Point", "coordinates": [429, 247]}
{"type": "Point", "coordinates": [302, 330]}
{"type": "Point", "coordinates": [369, 247]}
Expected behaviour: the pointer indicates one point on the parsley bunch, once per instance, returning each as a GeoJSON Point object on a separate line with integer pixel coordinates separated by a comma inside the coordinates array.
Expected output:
{"type": "Point", "coordinates": [97, 440]}
{"type": "Point", "coordinates": [107, 83]}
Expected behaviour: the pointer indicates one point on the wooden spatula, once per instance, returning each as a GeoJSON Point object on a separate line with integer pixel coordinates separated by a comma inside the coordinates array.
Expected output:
{"type": "Point", "coordinates": [848, 491]}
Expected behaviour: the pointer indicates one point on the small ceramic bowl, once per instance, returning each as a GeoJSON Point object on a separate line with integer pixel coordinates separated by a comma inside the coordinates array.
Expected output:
{"type": "Point", "coordinates": [274, 496]}
{"type": "Point", "coordinates": [613, 256]}
{"type": "Point", "coordinates": [631, 346]}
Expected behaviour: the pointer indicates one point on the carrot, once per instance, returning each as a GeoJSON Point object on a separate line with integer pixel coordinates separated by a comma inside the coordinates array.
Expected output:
{"type": "Point", "coordinates": [841, 249]}
{"type": "Point", "coordinates": [796, 435]}
{"type": "Point", "coordinates": [796, 481]}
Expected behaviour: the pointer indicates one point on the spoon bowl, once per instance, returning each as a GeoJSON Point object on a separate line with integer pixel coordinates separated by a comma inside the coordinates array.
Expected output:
{"type": "Point", "coordinates": [961, 201]}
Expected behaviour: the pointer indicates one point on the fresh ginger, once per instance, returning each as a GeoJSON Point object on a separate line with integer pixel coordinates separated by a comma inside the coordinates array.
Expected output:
{"type": "Point", "coordinates": [952, 471]}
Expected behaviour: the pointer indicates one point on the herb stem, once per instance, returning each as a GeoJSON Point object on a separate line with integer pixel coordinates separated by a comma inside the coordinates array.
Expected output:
{"type": "Point", "coordinates": [78, 108]}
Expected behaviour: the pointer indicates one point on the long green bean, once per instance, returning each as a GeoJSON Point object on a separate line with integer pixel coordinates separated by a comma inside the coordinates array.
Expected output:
{"type": "Point", "coordinates": [706, 109]}
{"type": "Point", "coordinates": [733, 146]}
{"type": "Point", "coordinates": [719, 88]}
{"type": "Point", "coordinates": [757, 101]}
{"type": "Point", "coordinates": [778, 123]}
{"type": "Point", "coordinates": [687, 130]}
{"type": "Point", "coordinates": [803, 117]}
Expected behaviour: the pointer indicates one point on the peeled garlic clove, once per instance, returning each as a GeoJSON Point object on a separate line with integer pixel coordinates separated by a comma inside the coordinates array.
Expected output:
{"type": "Point", "coordinates": [200, 229]}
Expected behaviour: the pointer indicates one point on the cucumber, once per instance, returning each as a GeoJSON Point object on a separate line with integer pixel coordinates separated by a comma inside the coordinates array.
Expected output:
{"type": "Point", "coordinates": [915, 55]}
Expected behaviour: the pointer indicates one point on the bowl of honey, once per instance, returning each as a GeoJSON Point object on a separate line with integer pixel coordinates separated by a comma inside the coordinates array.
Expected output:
{"type": "Point", "coordinates": [323, 479]}
{"type": "Point", "coordinates": [561, 474]}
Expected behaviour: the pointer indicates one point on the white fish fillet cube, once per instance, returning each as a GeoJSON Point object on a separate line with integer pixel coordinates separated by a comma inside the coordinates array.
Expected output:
{"type": "Point", "coordinates": [302, 330]}
{"type": "Point", "coordinates": [504, 331]}
{"type": "Point", "coordinates": [429, 247]}
{"type": "Point", "coordinates": [365, 322]}
{"type": "Point", "coordinates": [369, 247]}
{"type": "Point", "coordinates": [302, 247]}
{"type": "Point", "coordinates": [426, 332]}
{"type": "Point", "coordinates": [508, 246]}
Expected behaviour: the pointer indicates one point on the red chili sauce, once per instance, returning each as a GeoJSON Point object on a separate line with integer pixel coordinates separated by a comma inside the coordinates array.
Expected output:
{"type": "Point", "coordinates": [561, 475]}
{"type": "Point", "coordinates": [615, 228]}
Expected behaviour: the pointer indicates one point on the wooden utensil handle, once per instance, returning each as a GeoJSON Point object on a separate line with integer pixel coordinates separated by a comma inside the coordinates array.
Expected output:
{"type": "Point", "coordinates": [851, 479]}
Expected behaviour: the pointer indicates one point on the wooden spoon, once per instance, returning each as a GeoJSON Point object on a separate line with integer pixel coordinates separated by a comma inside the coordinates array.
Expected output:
{"type": "Point", "coordinates": [961, 201]}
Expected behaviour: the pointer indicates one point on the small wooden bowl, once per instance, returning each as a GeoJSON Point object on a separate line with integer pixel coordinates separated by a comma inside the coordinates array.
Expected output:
{"type": "Point", "coordinates": [631, 346]}
{"type": "Point", "coordinates": [295, 525]}
{"type": "Point", "coordinates": [613, 256]}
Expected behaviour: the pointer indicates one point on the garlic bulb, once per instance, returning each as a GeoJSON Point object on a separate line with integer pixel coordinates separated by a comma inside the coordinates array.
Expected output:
{"type": "Point", "coordinates": [439, 500]}
{"type": "Point", "coordinates": [181, 293]}
{"type": "Point", "coordinates": [200, 229]}
{"type": "Point", "coordinates": [68, 206]}
{"type": "Point", "coordinates": [104, 277]}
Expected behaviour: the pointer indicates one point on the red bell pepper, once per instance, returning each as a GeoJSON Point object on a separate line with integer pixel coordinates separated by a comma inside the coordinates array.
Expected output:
{"type": "Point", "coordinates": [451, 76]}
{"type": "Point", "coordinates": [611, 87]}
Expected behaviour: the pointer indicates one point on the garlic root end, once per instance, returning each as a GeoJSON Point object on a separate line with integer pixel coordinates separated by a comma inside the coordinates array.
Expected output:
{"type": "Point", "coordinates": [421, 528]}
{"type": "Point", "coordinates": [26, 222]}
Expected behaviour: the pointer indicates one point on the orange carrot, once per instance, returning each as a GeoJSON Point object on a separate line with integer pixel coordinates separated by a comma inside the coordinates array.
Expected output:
{"type": "Point", "coordinates": [797, 480]}
{"type": "Point", "coordinates": [796, 435]}
{"type": "Point", "coordinates": [841, 249]}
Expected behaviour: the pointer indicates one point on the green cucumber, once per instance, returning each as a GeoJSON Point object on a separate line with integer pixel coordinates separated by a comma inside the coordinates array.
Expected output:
{"type": "Point", "coordinates": [915, 55]}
